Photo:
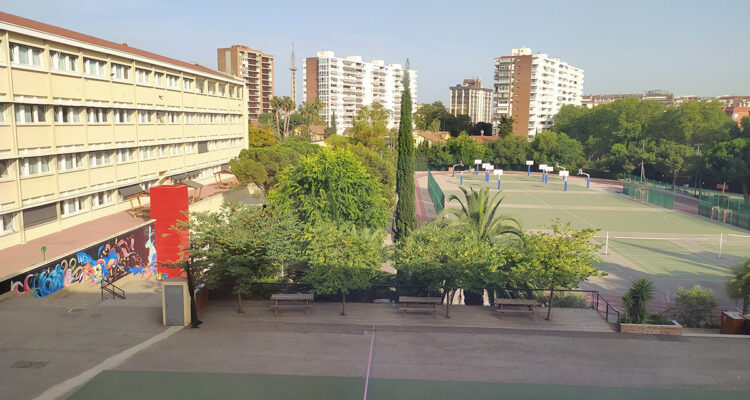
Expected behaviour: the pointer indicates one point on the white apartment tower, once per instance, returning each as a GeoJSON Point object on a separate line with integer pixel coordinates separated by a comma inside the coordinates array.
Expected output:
{"type": "Point", "coordinates": [532, 88]}
{"type": "Point", "coordinates": [470, 98]}
{"type": "Point", "coordinates": [344, 85]}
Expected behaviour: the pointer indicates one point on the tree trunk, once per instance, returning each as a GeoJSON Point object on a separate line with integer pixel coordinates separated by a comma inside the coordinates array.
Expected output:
{"type": "Point", "coordinates": [448, 300]}
{"type": "Point", "coordinates": [343, 304]}
{"type": "Point", "coordinates": [674, 179]}
{"type": "Point", "coordinates": [194, 321]}
{"type": "Point", "coordinates": [239, 303]}
{"type": "Point", "coordinates": [549, 303]}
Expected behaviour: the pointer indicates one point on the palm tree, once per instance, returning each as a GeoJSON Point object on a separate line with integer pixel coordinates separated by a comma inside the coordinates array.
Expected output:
{"type": "Point", "coordinates": [276, 103]}
{"type": "Point", "coordinates": [479, 212]}
{"type": "Point", "coordinates": [637, 297]}
{"type": "Point", "coordinates": [287, 107]}
{"type": "Point", "coordinates": [738, 285]}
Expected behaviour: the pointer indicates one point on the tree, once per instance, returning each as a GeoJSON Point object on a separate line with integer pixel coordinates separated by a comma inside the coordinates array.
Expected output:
{"type": "Point", "coordinates": [464, 149]}
{"type": "Point", "coordinates": [369, 126]}
{"type": "Point", "coordinates": [730, 161]}
{"type": "Point", "coordinates": [267, 120]}
{"type": "Point", "coordinates": [738, 285]}
{"type": "Point", "coordinates": [262, 165]}
{"type": "Point", "coordinates": [455, 124]}
{"type": "Point", "coordinates": [479, 212]}
{"type": "Point", "coordinates": [508, 151]}
{"type": "Point", "coordinates": [550, 147]}
{"type": "Point", "coordinates": [671, 157]}
{"type": "Point", "coordinates": [406, 213]}
{"type": "Point", "coordinates": [239, 244]}
{"type": "Point", "coordinates": [695, 306]}
{"type": "Point", "coordinates": [481, 128]}
{"type": "Point", "coordinates": [261, 137]}
{"type": "Point", "coordinates": [557, 260]}
{"type": "Point", "coordinates": [341, 258]}
{"type": "Point", "coordinates": [445, 259]}
{"type": "Point", "coordinates": [636, 298]}
{"type": "Point", "coordinates": [277, 104]}
{"type": "Point", "coordinates": [310, 112]}
{"type": "Point", "coordinates": [376, 166]}
{"type": "Point", "coordinates": [333, 186]}
{"type": "Point", "coordinates": [331, 130]}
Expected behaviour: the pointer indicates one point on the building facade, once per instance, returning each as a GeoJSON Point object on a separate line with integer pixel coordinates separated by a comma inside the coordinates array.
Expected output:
{"type": "Point", "coordinates": [82, 118]}
{"type": "Point", "coordinates": [344, 85]}
{"type": "Point", "coordinates": [469, 98]}
{"type": "Point", "coordinates": [531, 88]}
{"type": "Point", "coordinates": [256, 69]}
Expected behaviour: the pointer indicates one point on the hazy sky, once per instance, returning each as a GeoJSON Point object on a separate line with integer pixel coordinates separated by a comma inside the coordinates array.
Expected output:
{"type": "Point", "coordinates": [687, 47]}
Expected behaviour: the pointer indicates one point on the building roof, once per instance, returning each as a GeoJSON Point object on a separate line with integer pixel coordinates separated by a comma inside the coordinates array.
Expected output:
{"type": "Point", "coordinates": [434, 136]}
{"type": "Point", "coordinates": [484, 139]}
{"type": "Point", "coordinates": [123, 47]}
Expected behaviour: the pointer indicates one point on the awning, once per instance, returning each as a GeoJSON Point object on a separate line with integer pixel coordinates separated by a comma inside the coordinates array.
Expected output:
{"type": "Point", "coordinates": [179, 177]}
{"type": "Point", "coordinates": [131, 190]}
{"type": "Point", "coordinates": [225, 168]}
{"type": "Point", "coordinates": [192, 184]}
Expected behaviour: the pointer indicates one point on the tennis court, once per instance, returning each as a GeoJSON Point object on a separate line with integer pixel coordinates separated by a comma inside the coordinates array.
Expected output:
{"type": "Point", "coordinates": [190, 385]}
{"type": "Point", "coordinates": [659, 242]}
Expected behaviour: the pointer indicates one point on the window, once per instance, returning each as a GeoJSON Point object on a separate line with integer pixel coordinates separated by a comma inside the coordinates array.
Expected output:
{"type": "Point", "coordinates": [34, 165]}
{"type": "Point", "coordinates": [199, 84]}
{"type": "Point", "coordinates": [66, 162]}
{"type": "Point", "coordinates": [187, 84]}
{"type": "Point", "coordinates": [221, 89]}
{"type": "Point", "coordinates": [63, 61]}
{"type": "Point", "coordinates": [72, 206]}
{"type": "Point", "coordinates": [99, 158]}
{"type": "Point", "coordinates": [121, 116]}
{"type": "Point", "coordinates": [172, 81]}
{"type": "Point", "coordinates": [144, 117]}
{"type": "Point", "coordinates": [25, 55]}
{"type": "Point", "coordinates": [147, 153]}
{"type": "Point", "coordinates": [174, 150]}
{"type": "Point", "coordinates": [94, 67]}
{"type": "Point", "coordinates": [96, 115]}
{"type": "Point", "coordinates": [211, 89]}
{"type": "Point", "coordinates": [29, 114]}
{"type": "Point", "coordinates": [161, 117]}
{"type": "Point", "coordinates": [158, 79]}
{"type": "Point", "coordinates": [67, 115]}
{"type": "Point", "coordinates": [2, 112]}
{"type": "Point", "coordinates": [4, 169]}
{"type": "Point", "coordinates": [120, 71]}
{"type": "Point", "coordinates": [174, 117]}
{"type": "Point", "coordinates": [125, 155]}
{"type": "Point", "coordinates": [102, 198]}
{"type": "Point", "coordinates": [163, 150]}
{"type": "Point", "coordinates": [142, 76]}
{"type": "Point", "coordinates": [190, 148]}
{"type": "Point", "coordinates": [6, 224]}
{"type": "Point", "coordinates": [188, 118]}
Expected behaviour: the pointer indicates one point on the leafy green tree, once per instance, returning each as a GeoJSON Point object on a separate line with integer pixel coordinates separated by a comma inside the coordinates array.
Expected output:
{"type": "Point", "coordinates": [481, 128]}
{"type": "Point", "coordinates": [310, 112]}
{"type": "Point", "coordinates": [464, 149]}
{"type": "Point", "coordinates": [695, 306]}
{"type": "Point", "coordinates": [672, 157]}
{"type": "Point", "coordinates": [446, 259]}
{"type": "Point", "coordinates": [262, 165]}
{"type": "Point", "coordinates": [479, 212]}
{"type": "Point", "coordinates": [267, 120]}
{"type": "Point", "coordinates": [331, 130]}
{"type": "Point", "coordinates": [334, 186]}
{"type": "Point", "coordinates": [507, 152]}
{"type": "Point", "coordinates": [617, 161]}
{"type": "Point", "coordinates": [406, 213]}
{"type": "Point", "coordinates": [341, 258]}
{"type": "Point", "coordinates": [738, 285]}
{"type": "Point", "coordinates": [239, 244]}
{"type": "Point", "coordinates": [636, 299]}
{"type": "Point", "coordinates": [557, 260]}
{"type": "Point", "coordinates": [455, 124]}
{"type": "Point", "coordinates": [550, 147]}
{"type": "Point", "coordinates": [730, 161]}
{"type": "Point", "coordinates": [261, 137]}
{"type": "Point", "coordinates": [376, 166]}
{"type": "Point", "coordinates": [369, 126]}
{"type": "Point", "coordinates": [505, 126]}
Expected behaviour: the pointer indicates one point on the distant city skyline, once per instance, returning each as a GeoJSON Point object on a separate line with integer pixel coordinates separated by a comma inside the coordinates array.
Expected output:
{"type": "Point", "coordinates": [693, 49]}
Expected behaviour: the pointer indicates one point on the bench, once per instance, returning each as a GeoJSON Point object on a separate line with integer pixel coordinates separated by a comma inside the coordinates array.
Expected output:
{"type": "Point", "coordinates": [526, 306]}
{"type": "Point", "coordinates": [408, 303]}
{"type": "Point", "coordinates": [295, 298]}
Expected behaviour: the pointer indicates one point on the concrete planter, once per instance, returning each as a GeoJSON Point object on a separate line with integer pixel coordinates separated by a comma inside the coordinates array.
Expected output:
{"type": "Point", "coordinates": [675, 329]}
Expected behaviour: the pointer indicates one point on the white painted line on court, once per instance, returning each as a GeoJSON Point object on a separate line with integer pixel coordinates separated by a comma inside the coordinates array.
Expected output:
{"type": "Point", "coordinates": [62, 388]}
{"type": "Point", "coordinates": [369, 361]}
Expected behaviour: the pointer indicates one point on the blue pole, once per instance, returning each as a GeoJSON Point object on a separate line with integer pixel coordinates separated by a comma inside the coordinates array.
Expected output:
{"type": "Point", "coordinates": [486, 176]}
{"type": "Point", "coordinates": [542, 176]}
{"type": "Point", "coordinates": [462, 180]}
{"type": "Point", "coordinates": [588, 182]}
{"type": "Point", "coordinates": [477, 171]}
{"type": "Point", "coordinates": [454, 172]}
{"type": "Point", "coordinates": [498, 183]}
{"type": "Point", "coordinates": [528, 170]}
{"type": "Point", "coordinates": [566, 186]}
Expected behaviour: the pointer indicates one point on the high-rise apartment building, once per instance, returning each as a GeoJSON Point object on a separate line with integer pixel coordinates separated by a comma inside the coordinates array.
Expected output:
{"type": "Point", "coordinates": [532, 88]}
{"type": "Point", "coordinates": [84, 121]}
{"type": "Point", "coordinates": [256, 69]}
{"type": "Point", "coordinates": [469, 98]}
{"type": "Point", "coordinates": [344, 85]}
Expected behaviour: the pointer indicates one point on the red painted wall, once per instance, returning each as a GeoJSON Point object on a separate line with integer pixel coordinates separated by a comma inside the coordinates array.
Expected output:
{"type": "Point", "coordinates": [169, 203]}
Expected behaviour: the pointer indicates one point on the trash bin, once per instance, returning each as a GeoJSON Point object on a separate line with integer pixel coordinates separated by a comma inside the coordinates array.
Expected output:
{"type": "Point", "coordinates": [732, 323]}
{"type": "Point", "coordinates": [175, 302]}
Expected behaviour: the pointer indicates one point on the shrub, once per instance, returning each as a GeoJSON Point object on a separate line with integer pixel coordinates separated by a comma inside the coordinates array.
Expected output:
{"type": "Point", "coordinates": [694, 308]}
{"type": "Point", "coordinates": [565, 300]}
{"type": "Point", "coordinates": [657, 319]}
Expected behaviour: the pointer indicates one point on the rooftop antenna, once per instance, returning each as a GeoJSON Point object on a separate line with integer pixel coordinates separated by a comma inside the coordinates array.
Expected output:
{"type": "Point", "coordinates": [293, 69]}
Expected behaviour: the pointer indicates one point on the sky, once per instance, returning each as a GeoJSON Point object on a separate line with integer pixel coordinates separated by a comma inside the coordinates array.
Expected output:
{"type": "Point", "coordinates": [684, 46]}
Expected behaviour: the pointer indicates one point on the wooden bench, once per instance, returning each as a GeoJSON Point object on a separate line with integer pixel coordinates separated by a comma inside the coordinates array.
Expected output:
{"type": "Point", "coordinates": [526, 306]}
{"type": "Point", "coordinates": [295, 298]}
{"type": "Point", "coordinates": [409, 301]}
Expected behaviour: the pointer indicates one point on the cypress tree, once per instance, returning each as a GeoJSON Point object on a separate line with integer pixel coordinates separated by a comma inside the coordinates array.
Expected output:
{"type": "Point", "coordinates": [406, 214]}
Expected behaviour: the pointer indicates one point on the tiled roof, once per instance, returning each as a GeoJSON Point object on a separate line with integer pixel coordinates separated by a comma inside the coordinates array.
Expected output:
{"type": "Point", "coordinates": [434, 136]}
{"type": "Point", "coordinates": [483, 139]}
{"type": "Point", "coordinates": [57, 31]}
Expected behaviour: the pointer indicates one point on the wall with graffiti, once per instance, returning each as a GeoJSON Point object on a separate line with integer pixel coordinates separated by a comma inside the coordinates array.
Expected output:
{"type": "Point", "coordinates": [131, 253]}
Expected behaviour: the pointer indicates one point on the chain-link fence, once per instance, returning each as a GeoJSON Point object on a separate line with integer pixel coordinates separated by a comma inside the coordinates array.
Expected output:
{"type": "Point", "coordinates": [436, 193]}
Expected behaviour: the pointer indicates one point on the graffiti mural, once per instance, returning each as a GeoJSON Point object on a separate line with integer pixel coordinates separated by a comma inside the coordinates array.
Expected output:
{"type": "Point", "coordinates": [131, 253]}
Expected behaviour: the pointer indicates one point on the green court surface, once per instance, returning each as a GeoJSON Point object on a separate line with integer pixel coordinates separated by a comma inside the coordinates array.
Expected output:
{"type": "Point", "coordinates": [190, 385]}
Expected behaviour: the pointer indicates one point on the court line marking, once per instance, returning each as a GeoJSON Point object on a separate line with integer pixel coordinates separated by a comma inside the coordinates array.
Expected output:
{"type": "Point", "coordinates": [369, 361]}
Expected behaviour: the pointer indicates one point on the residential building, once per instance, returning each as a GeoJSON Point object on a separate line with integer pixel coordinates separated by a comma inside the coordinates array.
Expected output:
{"type": "Point", "coordinates": [256, 69]}
{"type": "Point", "coordinates": [344, 85]}
{"type": "Point", "coordinates": [531, 88]}
{"type": "Point", "coordinates": [593, 100]}
{"type": "Point", "coordinates": [662, 96]}
{"type": "Point", "coordinates": [734, 101]}
{"type": "Point", "coordinates": [83, 120]}
{"type": "Point", "coordinates": [431, 137]}
{"type": "Point", "coordinates": [737, 113]}
{"type": "Point", "coordinates": [469, 98]}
